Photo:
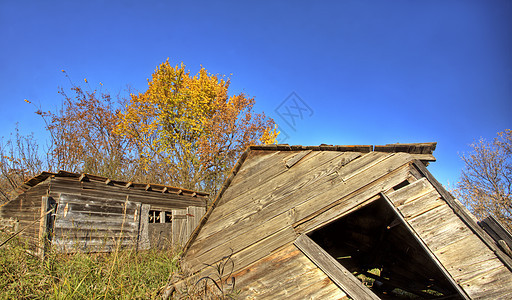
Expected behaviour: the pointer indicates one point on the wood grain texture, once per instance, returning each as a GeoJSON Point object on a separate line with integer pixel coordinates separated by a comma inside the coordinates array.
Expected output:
{"type": "Point", "coordinates": [333, 269]}
{"type": "Point", "coordinates": [286, 273]}
{"type": "Point", "coordinates": [81, 230]}
{"type": "Point", "coordinates": [295, 200]}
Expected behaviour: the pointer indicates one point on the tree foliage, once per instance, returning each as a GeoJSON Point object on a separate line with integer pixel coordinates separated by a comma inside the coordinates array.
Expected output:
{"type": "Point", "coordinates": [189, 128]}
{"type": "Point", "coordinates": [83, 137]}
{"type": "Point", "coordinates": [19, 160]}
{"type": "Point", "coordinates": [184, 130]}
{"type": "Point", "coordinates": [486, 181]}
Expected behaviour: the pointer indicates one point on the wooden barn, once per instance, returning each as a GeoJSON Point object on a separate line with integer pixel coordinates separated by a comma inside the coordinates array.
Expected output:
{"type": "Point", "coordinates": [83, 212]}
{"type": "Point", "coordinates": [338, 222]}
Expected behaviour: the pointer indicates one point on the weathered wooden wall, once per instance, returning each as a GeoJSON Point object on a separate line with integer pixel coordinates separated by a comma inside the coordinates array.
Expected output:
{"type": "Point", "coordinates": [468, 260]}
{"type": "Point", "coordinates": [94, 213]}
{"type": "Point", "coordinates": [276, 195]}
{"type": "Point", "coordinates": [94, 224]}
{"type": "Point", "coordinates": [70, 185]}
{"type": "Point", "coordinates": [26, 208]}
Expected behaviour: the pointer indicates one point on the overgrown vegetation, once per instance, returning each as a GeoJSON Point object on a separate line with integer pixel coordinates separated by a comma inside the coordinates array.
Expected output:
{"type": "Point", "coordinates": [126, 274]}
{"type": "Point", "coordinates": [486, 181]}
{"type": "Point", "coordinates": [185, 130]}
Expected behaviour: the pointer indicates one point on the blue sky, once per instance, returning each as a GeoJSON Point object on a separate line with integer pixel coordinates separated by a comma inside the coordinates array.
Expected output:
{"type": "Point", "coordinates": [366, 72]}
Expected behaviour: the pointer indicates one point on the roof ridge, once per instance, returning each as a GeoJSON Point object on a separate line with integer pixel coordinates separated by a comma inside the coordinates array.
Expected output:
{"type": "Point", "coordinates": [413, 148]}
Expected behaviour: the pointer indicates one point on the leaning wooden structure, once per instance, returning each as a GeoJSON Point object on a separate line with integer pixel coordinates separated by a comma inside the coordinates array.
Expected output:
{"type": "Point", "coordinates": [83, 212]}
{"type": "Point", "coordinates": [331, 222]}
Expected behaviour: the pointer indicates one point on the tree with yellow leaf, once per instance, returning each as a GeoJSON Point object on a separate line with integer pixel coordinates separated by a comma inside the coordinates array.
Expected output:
{"type": "Point", "coordinates": [189, 129]}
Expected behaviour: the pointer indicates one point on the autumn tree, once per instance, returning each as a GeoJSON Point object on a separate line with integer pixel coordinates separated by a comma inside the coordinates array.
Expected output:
{"type": "Point", "coordinates": [486, 181]}
{"type": "Point", "coordinates": [83, 137]}
{"type": "Point", "coordinates": [187, 128]}
{"type": "Point", "coordinates": [19, 160]}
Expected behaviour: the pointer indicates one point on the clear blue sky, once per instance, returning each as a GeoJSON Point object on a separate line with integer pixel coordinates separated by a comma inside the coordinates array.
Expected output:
{"type": "Point", "coordinates": [368, 72]}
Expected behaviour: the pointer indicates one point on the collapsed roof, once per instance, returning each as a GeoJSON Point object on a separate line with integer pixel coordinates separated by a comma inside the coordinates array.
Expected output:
{"type": "Point", "coordinates": [366, 222]}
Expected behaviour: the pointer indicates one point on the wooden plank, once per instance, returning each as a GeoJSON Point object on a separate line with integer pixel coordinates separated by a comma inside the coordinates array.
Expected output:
{"type": "Point", "coordinates": [99, 189]}
{"type": "Point", "coordinates": [279, 209]}
{"type": "Point", "coordinates": [421, 205]}
{"type": "Point", "coordinates": [351, 202]}
{"type": "Point", "coordinates": [333, 269]}
{"type": "Point", "coordinates": [248, 255]}
{"type": "Point", "coordinates": [465, 216]}
{"type": "Point", "coordinates": [464, 257]}
{"type": "Point", "coordinates": [439, 227]}
{"type": "Point", "coordinates": [314, 169]}
{"type": "Point", "coordinates": [43, 225]}
{"type": "Point", "coordinates": [433, 257]}
{"type": "Point", "coordinates": [194, 215]}
{"type": "Point", "coordinates": [264, 271]}
{"type": "Point", "coordinates": [290, 162]}
{"type": "Point", "coordinates": [179, 227]}
{"type": "Point", "coordinates": [496, 230]}
{"type": "Point", "coordinates": [94, 229]}
{"type": "Point", "coordinates": [494, 284]}
{"type": "Point", "coordinates": [243, 184]}
{"type": "Point", "coordinates": [410, 192]}
{"type": "Point", "coordinates": [143, 237]}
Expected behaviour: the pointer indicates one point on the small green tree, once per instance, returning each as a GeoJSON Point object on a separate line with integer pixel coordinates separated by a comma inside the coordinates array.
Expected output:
{"type": "Point", "coordinates": [486, 180]}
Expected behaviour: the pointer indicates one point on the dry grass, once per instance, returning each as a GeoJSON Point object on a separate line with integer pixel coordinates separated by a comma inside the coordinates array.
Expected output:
{"type": "Point", "coordinates": [126, 274]}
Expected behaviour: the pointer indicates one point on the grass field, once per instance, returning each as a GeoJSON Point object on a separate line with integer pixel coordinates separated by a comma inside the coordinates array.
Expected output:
{"type": "Point", "coordinates": [123, 274]}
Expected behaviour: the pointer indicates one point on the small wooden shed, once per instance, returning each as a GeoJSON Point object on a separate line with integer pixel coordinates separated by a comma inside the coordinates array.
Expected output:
{"type": "Point", "coordinates": [84, 212]}
{"type": "Point", "coordinates": [332, 222]}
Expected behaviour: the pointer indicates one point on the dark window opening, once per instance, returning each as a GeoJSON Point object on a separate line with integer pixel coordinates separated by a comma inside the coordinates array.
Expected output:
{"type": "Point", "coordinates": [377, 248]}
{"type": "Point", "coordinates": [401, 185]}
{"type": "Point", "coordinates": [168, 217]}
{"type": "Point", "coordinates": [158, 216]}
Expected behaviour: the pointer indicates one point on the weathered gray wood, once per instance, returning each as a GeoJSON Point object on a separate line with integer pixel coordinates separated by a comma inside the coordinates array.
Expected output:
{"type": "Point", "coordinates": [438, 227]}
{"type": "Point", "coordinates": [464, 215]}
{"type": "Point", "coordinates": [315, 170]}
{"type": "Point", "coordinates": [304, 202]}
{"type": "Point", "coordinates": [433, 258]}
{"type": "Point", "coordinates": [91, 231]}
{"type": "Point", "coordinates": [410, 192]}
{"type": "Point", "coordinates": [244, 186]}
{"type": "Point", "coordinates": [351, 202]}
{"type": "Point", "coordinates": [243, 257]}
{"type": "Point", "coordinates": [143, 237]}
{"type": "Point", "coordinates": [99, 189]}
{"type": "Point", "coordinates": [290, 162]}
{"type": "Point", "coordinates": [420, 205]}
{"type": "Point", "coordinates": [496, 230]}
{"type": "Point", "coordinates": [194, 215]}
{"type": "Point", "coordinates": [333, 269]}
{"type": "Point", "coordinates": [494, 284]}
{"type": "Point", "coordinates": [179, 226]}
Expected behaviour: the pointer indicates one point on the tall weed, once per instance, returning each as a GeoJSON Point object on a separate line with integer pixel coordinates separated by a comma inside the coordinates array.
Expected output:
{"type": "Point", "coordinates": [126, 274]}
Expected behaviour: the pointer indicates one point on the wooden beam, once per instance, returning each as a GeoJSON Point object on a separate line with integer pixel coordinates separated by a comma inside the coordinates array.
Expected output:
{"type": "Point", "coordinates": [148, 187]}
{"type": "Point", "coordinates": [129, 184]}
{"type": "Point", "coordinates": [464, 215]}
{"type": "Point", "coordinates": [82, 177]}
{"type": "Point", "coordinates": [296, 158]}
{"type": "Point", "coordinates": [424, 247]}
{"type": "Point", "coordinates": [333, 269]}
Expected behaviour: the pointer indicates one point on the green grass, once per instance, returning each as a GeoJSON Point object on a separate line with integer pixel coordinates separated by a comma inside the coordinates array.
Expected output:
{"type": "Point", "coordinates": [126, 274]}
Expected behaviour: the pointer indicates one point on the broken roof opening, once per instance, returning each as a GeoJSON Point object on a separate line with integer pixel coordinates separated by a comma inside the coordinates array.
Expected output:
{"type": "Point", "coordinates": [377, 247]}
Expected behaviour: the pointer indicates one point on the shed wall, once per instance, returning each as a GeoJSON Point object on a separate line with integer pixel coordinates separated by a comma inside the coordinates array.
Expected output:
{"type": "Point", "coordinates": [26, 208]}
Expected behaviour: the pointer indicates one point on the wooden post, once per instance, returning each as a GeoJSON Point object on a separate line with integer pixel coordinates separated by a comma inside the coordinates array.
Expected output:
{"type": "Point", "coordinates": [143, 242]}
{"type": "Point", "coordinates": [45, 225]}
